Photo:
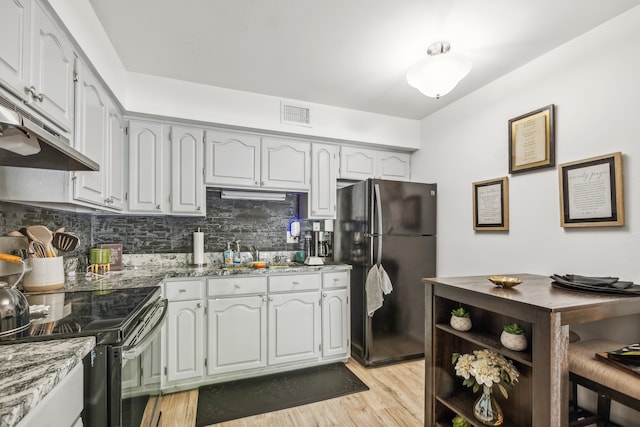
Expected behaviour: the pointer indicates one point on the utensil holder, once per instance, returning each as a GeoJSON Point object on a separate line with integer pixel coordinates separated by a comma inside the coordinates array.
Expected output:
{"type": "Point", "coordinates": [47, 274]}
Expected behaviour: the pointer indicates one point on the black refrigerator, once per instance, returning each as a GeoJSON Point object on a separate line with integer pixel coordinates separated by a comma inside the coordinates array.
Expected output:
{"type": "Point", "coordinates": [393, 224]}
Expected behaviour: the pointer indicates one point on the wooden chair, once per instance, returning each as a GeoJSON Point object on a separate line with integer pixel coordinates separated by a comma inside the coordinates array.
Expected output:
{"type": "Point", "coordinates": [607, 381]}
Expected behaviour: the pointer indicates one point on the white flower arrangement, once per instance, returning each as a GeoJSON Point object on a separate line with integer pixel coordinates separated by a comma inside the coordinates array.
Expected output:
{"type": "Point", "coordinates": [485, 368]}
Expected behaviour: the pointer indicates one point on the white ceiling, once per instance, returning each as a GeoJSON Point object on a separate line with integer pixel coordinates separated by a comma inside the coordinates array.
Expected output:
{"type": "Point", "coordinates": [347, 53]}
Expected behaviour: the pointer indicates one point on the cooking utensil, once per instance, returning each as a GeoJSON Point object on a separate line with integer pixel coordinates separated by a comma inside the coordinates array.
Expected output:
{"type": "Point", "coordinates": [37, 249]}
{"type": "Point", "coordinates": [42, 234]}
{"type": "Point", "coordinates": [65, 241]}
{"type": "Point", "coordinates": [14, 307]}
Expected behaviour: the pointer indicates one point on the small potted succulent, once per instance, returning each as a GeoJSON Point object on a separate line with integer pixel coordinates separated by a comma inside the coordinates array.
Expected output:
{"type": "Point", "coordinates": [458, 421]}
{"type": "Point", "coordinates": [460, 319]}
{"type": "Point", "coordinates": [513, 337]}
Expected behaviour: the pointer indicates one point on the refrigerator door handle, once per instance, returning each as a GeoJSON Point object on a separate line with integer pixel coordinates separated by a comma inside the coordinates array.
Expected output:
{"type": "Point", "coordinates": [379, 230]}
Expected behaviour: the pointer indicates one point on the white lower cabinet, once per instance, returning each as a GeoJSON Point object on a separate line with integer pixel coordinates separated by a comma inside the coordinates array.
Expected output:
{"type": "Point", "coordinates": [237, 334]}
{"type": "Point", "coordinates": [294, 327]}
{"type": "Point", "coordinates": [335, 323]}
{"type": "Point", "coordinates": [253, 324]}
{"type": "Point", "coordinates": [184, 350]}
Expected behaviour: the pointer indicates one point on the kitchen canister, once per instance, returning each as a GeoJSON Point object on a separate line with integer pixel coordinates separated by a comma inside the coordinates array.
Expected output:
{"type": "Point", "coordinates": [47, 274]}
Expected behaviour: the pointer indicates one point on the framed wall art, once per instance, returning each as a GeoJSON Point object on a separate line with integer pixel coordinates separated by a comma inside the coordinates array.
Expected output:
{"type": "Point", "coordinates": [491, 205]}
{"type": "Point", "coordinates": [591, 192]}
{"type": "Point", "coordinates": [532, 140]}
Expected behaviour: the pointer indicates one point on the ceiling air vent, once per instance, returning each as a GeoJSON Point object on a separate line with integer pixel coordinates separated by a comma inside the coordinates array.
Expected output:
{"type": "Point", "coordinates": [295, 114]}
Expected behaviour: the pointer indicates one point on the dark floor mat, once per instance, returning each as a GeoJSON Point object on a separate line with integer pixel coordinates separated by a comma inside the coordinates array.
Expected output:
{"type": "Point", "coordinates": [252, 396]}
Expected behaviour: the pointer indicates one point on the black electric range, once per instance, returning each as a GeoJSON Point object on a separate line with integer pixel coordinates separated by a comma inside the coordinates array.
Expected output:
{"type": "Point", "coordinates": [109, 315]}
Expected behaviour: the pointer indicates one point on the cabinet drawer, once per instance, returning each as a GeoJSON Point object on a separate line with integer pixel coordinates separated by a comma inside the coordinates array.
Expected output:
{"type": "Point", "coordinates": [236, 286]}
{"type": "Point", "coordinates": [183, 290]}
{"type": "Point", "coordinates": [338, 279]}
{"type": "Point", "coordinates": [294, 282]}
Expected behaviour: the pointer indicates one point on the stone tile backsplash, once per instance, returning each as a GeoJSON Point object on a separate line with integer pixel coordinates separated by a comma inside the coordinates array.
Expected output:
{"type": "Point", "coordinates": [262, 224]}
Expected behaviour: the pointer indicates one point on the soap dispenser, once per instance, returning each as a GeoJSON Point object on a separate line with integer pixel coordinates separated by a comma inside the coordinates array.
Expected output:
{"type": "Point", "coordinates": [236, 254]}
{"type": "Point", "coordinates": [228, 255]}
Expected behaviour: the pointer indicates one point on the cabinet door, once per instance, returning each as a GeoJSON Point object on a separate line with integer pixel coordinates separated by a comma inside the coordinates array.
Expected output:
{"type": "Point", "coordinates": [294, 327]}
{"type": "Point", "coordinates": [232, 159]}
{"type": "Point", "coordinates": [357, 163]}
{"type": "Point", "coordinates": [185, 337]}
{"type": "Point", "coordinates": [52, 69]}
{"type": "Point", "coordinates": [335, 332]}
{"type": "Point", "coordinates": [151, 363]}
{"type": "Point", "coordinates": [187, 186]}
{"type": "Point", "coordinates": [131, 375]}
{"type": "Point", "coordinates": [285, 164]}
{"type": "Point", "coordinates": [14, 49]}
{"type": "Point", "coordinates": [145, 167]}
{"type": "Point", "coordinates": [395, 166]}
{"type": "Point", "coordinates": [237, 333]}
{"type": "Point", "coordinates": [115, 146]}
{"type": "Point", "coordinates": [322, 196]}
{"type": "Point", "coordinates": [91, 131]}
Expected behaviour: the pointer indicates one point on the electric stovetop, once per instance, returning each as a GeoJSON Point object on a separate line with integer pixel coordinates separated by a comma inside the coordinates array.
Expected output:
{"type": "Point", "coordinates": [106, 314]}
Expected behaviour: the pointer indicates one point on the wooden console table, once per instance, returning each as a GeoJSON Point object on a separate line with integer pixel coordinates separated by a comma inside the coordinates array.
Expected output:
{"type": "Point", "coordinates": [541, 397]}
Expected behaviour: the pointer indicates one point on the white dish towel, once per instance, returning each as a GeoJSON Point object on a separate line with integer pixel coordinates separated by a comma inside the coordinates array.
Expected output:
{"type": "Point", "coordinates": [377, 284]}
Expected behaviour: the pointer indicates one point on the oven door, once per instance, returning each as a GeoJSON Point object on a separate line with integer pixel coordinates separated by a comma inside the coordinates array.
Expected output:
{"type": "Point", "coordinates": [122, 381]}
{"type": "Point", "coordinates": [141, 371]}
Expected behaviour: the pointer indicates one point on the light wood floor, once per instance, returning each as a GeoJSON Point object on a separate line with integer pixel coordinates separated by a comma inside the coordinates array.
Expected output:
{"type": "Point", "coordinates": [395, 398]}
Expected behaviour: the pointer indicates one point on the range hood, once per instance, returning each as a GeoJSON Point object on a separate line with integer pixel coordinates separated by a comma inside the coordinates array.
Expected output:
{"type": "Point", "coordinates": [25, 144]}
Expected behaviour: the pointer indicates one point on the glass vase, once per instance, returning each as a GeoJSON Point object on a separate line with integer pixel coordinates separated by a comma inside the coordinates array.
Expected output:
{"type": "Point", "coordinates": [486, 409]}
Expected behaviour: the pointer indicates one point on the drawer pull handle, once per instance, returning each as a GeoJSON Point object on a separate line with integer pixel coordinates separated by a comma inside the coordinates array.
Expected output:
{"type": "Point", "coordinates": [182, 290]}
{"type": "Point", "coordinates": [295, 283]}
{"type": "Point", "coordinates": [336, 280]}
{"type": "Point", "coordinates": [199, 305]}
{"type": "Point", "coordinates": [236, 286]}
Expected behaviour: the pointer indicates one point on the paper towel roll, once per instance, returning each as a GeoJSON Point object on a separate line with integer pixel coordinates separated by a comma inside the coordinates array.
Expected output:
{"type": "Point", "coordinates": [198, 247]}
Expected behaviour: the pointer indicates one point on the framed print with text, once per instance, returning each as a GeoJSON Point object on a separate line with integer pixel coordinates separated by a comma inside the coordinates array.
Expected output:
{"type": "Point", "coordinates": [491, 205]}
{"type": "Point", "coordinates": [532, 141]}
{"type": "Point", "coordinates": [591, 192]}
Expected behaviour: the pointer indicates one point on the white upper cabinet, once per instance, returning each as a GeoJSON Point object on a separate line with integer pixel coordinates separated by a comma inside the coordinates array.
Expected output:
{"type": "Point", "coordinates": [52, 70]}
{"type": "Point", "coordinates": [232, 159]}
{"type": "Point", "coordinates": [362, 163]}
{"type": "Point", "coordinates": [392, 165]}
{"type": "Point", "coordinates": [146, 167]}
{"type": "Point", "coordinates": [14, 49]}
{"type": "Point", "coordinates": [286, 164]}
{"type": "Point", "coordinates": [239, 160]}
{"type": "Point", "coordinates": [115, 159]}
{"type": "Point", "coordinates": [321, 200]}
{"type": "Point", "coordinates": [91, 139]}
{"type": "Point", "coordinates": [37, 61]}
{"type": "Point", "coordinates": [187, 185]}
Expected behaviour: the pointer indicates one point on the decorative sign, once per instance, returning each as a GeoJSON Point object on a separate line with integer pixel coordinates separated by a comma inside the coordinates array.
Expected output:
{"type": "Point", "coordinates": [116, 254]}
{"type": "Point", "coordinates": [491, 204]}
{"type": "Point", "coordinates": [591, 192]}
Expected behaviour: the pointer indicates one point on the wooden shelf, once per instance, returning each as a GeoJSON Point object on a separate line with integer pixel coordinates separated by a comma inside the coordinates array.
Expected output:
{"type": "Point", "coordinates": [462, 405]}
{"type": "Point", "coordinates": [490, 342]}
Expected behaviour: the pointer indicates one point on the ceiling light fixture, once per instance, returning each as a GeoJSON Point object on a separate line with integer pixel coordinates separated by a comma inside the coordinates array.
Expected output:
{"type": "Point", "coordinates": [438, 74]}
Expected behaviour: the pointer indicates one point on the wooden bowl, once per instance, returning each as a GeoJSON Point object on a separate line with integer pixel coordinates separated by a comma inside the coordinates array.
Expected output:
{"type": "Point", "coordinates": [504, 281]}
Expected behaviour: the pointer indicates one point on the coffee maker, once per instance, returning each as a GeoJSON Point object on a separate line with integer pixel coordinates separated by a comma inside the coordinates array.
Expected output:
{"type": "Point", "coordinates": [323, 244]}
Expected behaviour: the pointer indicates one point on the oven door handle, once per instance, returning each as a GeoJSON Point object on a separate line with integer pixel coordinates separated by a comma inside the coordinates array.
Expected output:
{"type": "Point", "coordinates": [133, 351]}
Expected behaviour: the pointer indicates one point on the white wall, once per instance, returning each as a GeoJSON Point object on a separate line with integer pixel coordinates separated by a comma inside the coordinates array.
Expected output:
{"type": "Point", "coordinates": [141, 93]}
{"type": "Point", "coordinates": [594, 83]}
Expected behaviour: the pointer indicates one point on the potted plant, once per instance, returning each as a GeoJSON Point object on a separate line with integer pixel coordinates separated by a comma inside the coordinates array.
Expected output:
{"type": "Point", "coordinates": [460, 319]}
{"type": "Point", "coordinates": [458, 421]}
{"type": "Point", "coordinates": [513, 337]}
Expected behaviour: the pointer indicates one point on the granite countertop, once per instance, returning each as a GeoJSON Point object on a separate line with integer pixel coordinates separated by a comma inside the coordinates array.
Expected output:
{"type": "Point", "coordinates": [135, 277]}
{"type": "Point", "coordinates": [31, 370]}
